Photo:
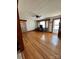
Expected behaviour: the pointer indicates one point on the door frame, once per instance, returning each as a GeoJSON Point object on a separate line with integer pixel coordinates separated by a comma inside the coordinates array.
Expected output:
{"type": "Point", "coordinates": [53, 22]}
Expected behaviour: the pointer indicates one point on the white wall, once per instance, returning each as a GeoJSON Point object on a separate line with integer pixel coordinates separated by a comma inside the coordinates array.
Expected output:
{"type": "Point", "coordinates": [23, 14]}
{"type": "Point", "coordinates": [31, 25]}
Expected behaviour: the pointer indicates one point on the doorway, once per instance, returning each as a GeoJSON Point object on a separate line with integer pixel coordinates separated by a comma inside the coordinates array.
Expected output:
{"type": "Point", "coordinates": [42, 23]}
{"type": "Point", "coordinates": [56, 26]}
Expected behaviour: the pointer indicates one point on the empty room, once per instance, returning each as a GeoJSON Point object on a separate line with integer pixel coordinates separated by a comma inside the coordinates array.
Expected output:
{"type": "Point", "coordinates": [39, 29]}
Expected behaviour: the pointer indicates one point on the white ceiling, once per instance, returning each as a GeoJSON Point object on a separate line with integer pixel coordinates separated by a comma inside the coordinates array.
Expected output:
{"type": "Point", "coordinates": [45, 8]}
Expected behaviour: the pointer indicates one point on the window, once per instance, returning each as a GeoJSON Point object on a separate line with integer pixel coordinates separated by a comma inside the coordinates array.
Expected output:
{"type": "Point", "coordinates": [56, 25]}
{"type": "Point", "coordinates": [42, 23]}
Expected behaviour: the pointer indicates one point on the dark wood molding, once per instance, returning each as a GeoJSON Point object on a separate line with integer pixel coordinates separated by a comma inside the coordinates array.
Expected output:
{"type": "Point", "coordinates": [59, 31]}
{"type": "Point", "coordinates": [19, 33]}
{"type": "Point", "coordinates": [23, 20]}
{"type": "Point", "coordinates": [56, 18]}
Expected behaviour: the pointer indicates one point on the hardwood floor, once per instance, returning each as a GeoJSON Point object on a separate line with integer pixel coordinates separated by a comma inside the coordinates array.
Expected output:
{"type": "Point", "coordinates": [38, 45]}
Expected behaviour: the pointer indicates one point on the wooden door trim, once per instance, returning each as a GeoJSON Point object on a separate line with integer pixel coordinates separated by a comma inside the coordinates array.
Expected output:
{"type": "Point", "coordinates": [19, 32]}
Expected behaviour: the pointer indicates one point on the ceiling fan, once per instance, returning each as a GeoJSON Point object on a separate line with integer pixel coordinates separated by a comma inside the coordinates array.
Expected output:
{"type": "Point", "coordinates": [36, 16]}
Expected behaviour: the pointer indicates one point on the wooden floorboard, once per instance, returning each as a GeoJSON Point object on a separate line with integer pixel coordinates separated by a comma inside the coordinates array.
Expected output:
{"type": "Point", "coordinates": [41, 45]}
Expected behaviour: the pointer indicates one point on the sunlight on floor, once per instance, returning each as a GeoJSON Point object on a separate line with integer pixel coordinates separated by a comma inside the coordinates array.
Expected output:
{"type": "Point", "coordinates": [43, 37]}
{"type": "Point", "coordinates": [54, 40]}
